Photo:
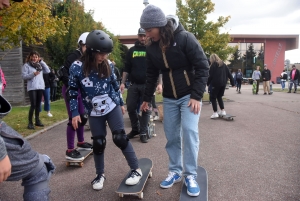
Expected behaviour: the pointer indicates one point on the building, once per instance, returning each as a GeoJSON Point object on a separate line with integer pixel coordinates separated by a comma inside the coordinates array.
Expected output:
{"type": "Point", "coordinates": [271, 48]}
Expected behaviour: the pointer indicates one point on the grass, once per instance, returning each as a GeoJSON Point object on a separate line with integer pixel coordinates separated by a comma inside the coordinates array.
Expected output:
{"type": "Point", "coordinates": [18, 117]}
{"type": "Point", "coordinates": [286, 90]}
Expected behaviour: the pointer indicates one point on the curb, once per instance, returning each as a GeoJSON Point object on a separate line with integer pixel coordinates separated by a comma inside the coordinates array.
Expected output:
{"type": "Point", "coordinates": [44, 130]}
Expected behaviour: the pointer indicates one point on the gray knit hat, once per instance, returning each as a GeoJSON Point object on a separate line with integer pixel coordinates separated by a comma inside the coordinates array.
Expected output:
{"type": "Point", "coordinates": [152, 17]}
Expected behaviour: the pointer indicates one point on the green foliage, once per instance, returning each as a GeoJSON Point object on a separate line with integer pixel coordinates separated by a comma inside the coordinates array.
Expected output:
{"type": "Point", "coordinates": [193, 16]}
{"type": "Point", "coordinates": [30, 22]}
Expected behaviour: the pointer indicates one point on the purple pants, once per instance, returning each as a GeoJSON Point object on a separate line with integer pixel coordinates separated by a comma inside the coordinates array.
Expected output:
{"type": "Point", "coordinates": [70, 129]}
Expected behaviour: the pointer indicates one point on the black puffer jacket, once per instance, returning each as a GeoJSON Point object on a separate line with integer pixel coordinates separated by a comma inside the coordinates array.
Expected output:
{"type": "Point", "coordinates": [218, 76]}
{"type": "Point", "coordinates": [188, 67]}
{"type": "Point", "coordinates": [70, 59]}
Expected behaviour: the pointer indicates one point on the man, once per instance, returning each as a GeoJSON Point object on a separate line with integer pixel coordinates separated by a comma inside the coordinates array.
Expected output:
{"type": "Point", "coordinates": [136, 67]}
{"type": "Point", "coordinates": [18, 161]}
{"type": "Point", "coordinates": [256, 77]}
{"type": "Point", "coordinates": [294, 75]}
{"type": "Point", "coordinates": [266, 76]}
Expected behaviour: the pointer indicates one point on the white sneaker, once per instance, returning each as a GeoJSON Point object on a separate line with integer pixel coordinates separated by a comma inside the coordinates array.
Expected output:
{"type": "Point", "coordinates": [215, 115]}
{"type": "Point", "coordinates": [49, 114]}
{"type": "Point", "coordinates": [156, 118]}
{"type": "Point", "coordinates": [98, 182]}
{"type": "Point", "coordinates": [134, 177]}
{"type": "Point", "coordinates": [222, 112]}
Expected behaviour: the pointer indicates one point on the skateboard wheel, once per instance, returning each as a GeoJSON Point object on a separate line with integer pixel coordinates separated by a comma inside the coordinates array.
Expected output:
{"type": "Point", "coordinates": [150, 174]}
{"type": "Point", "coordinates": [141, 195]}
{"type": "Point", "coordinates": [121, 195]}
{"type": "Point", "coordinates": [154, 135]}
{"type": "Point", "coordinates": [153, 124]}
{"type": "Point", "coordinates": [81, 164]}
{"type": "Point", "coordinates": [67, 164]}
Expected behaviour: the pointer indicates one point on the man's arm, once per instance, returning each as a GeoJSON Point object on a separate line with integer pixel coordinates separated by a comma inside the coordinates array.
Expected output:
{"type": "Point", "coordinates": [122, 85]}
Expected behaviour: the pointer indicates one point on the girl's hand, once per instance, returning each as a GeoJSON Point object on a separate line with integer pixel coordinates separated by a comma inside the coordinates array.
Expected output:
{"type": "Point", "coordinates": [159, 89]}
{"type": "Point", "coordinates": [5, 168]}
{"type": "Point", "coordinates": [195, 106]}
{"type": "Point", "coordinates": [145, 106]}
{"type": "Point", "coordinates": [123, 109]}
{"type": "Point", "coordinates": [36, 73]}
{"type": "Point", "coordinates": [75, 121]}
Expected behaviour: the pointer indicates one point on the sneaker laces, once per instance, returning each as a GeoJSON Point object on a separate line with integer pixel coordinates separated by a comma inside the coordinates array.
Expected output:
{"type": "Point", "coordinates": [134, 173]}
{"type": "Point", "coordinates": [192, 181]}
{"type": "Point", "coordinates": [97, 179]}
{"type": "Point", "coordinates": [170, 176]}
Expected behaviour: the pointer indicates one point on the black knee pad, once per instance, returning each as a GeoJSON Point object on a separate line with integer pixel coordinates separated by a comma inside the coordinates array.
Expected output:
{"type": "Point", "coordinates": [120, 139]}
{"type": "Point", "coordinates": [99, 144]}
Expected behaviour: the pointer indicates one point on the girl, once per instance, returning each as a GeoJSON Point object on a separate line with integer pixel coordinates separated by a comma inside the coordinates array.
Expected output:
{"type": "Point", "coordinates": [33, 70]}
{"type": "Point", "coordinates": [94, 76]}
{"type": "Point", "coordinates": [184, 67]}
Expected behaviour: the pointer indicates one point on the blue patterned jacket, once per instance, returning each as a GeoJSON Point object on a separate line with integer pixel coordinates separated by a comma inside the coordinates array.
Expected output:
{"type": "Point", "coordinates": [90, 87]}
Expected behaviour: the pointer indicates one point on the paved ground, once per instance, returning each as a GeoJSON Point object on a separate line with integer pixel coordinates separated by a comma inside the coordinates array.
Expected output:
{"type": "Point", "coordinates": [254, 157]}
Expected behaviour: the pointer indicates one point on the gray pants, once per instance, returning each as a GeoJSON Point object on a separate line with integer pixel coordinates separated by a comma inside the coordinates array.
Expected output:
{"type": "Point", "coordinates": [295, 82]}
{"type": "Point", "coordinates": [115, 122]}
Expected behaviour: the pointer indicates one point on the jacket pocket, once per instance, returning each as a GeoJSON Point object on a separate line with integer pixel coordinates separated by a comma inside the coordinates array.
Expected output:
{"type": "Point", "coordinates": [187, 78]}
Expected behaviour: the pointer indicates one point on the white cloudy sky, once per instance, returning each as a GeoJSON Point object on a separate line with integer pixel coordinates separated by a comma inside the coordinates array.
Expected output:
{"type": "Point", "coordinates": [121, 17]}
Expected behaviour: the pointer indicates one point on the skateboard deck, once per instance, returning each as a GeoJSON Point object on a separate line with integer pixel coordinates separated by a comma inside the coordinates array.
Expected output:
{"type": "Point", "coordinates": [202, 182]}
{"type": "Point", "coordinates": [254, 85]}
{"type": "Point", "coordinates": [228, 117]}
{"type": "Point", "coordinates": [146, 166]}
{"type": "Point", "coordinates": [151, 129]}
{"type": "Point", "coordinates": [84, 153]}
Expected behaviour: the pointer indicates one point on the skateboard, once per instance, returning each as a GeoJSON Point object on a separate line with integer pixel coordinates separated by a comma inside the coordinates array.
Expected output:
{"type": "Point", "coordinates": [146, 166]}
{"type": "Point", "coordinates": [84, 153]}
{"type": "Point", "coordinates": [202, 182]}
{"type": "Point", "coordinates": [254, 85]}
{"type": "Point", "coordinates": [151, 128]}
{"type": "Point", "coordinates": [228, 117]}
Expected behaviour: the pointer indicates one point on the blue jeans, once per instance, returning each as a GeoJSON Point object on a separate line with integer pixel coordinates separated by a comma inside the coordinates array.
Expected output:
{"type": "Point", "coordinates": [46, 95]}
{"type": "Point", "coordinates": [295, 83]}
{"type": "Point", "coordinates": [181, 130]}
{"type": "Point", "coordinates": [283, 84]}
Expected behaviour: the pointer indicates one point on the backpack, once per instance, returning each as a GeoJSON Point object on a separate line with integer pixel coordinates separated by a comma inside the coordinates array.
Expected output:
{"type": "Point", "coordinates": [239, 76]}
{"type": "Point", "coordinates": [284, 76]}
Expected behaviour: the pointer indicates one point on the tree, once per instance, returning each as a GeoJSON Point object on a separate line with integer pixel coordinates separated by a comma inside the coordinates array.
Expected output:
{"type": "Point", "coordinates": [30, 22]}
{"type": "Point", "coordinates": [249, 55]}
{"type": "Point", "coordinates": [193, 16]}
{"type": "Point", "coordinates": [235, 59]}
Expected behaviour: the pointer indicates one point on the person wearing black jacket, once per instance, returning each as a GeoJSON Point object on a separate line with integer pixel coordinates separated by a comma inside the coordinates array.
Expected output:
{"type": "Point", "coordinates": [180, 58]}
{"type": "Point", "coordinates": [136, 67]}
{"type": "Point", "coordinates": [72, 153]}
{"type": "Point", "coordinates": [218, 77]}
{"type": "Point", "coordinates": [266, 77]}
{"type": "Point", "coordinates": [46, 94]}
{"type": "Point", "coordinates": [294, 76]}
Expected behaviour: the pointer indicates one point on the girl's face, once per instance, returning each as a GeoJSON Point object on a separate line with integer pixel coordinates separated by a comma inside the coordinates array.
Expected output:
{"type": "Point", "coordinates": [100, 57]}
{"type": "Point", "coordinates": [34, 58]}
{"type": "Point", "coordinates": [153, 33]}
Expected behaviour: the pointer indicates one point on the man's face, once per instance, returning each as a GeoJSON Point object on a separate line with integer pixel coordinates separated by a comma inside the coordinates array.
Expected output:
{"type": "Point", "coordinates": [4, 4]}
{"type": "Point", "coordinates": [265, 67]}
{"type": "Point", "coordinates": [142, 38]}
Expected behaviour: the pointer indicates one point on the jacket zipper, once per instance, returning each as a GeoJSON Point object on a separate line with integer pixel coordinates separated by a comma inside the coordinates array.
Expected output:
{"type": "Point", "coordinates": [170, 75]}
{"type": "Point", "coordinates": [187, 78]}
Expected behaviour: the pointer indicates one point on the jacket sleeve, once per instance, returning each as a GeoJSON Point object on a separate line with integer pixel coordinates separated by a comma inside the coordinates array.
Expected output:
{"type": "Point", "coordinates": [128, 64]}
{"type": "Point", "coordinates": [152, 77]}
{"type": "Point", "coordinates": [3, 80]}
{"type": "Point", "coordinates": [26, 74]}
{"type": "Point", "coordinates": [3, 152]}
{"type": "Point", "coordinates": [73, 92]}
{"type": "Point", "coordinates": [210, 75]}
{"type": "Point", "coordinates": [70, 59]}
{"type": "Point", "coordinates": [196, 56]}
{"type": "Point", "coordinates": [230, 76]}
{"type": "Point", "coordinates": [45, 67]}
{"type": "Point", "coordinates": [115, 85]}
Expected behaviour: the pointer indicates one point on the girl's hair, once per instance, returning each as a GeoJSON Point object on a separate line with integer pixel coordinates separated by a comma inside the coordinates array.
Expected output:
{"type": "Point", "coordinates": [166, 36]}
{"type": "Point", "coordinates": [90, 64]}
{"type": "Point", "coordinates": [30, 55]}
{"type": "Point", "coordinates": [214, 58]}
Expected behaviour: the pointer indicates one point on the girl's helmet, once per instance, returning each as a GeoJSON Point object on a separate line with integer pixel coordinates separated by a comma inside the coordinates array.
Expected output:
{"type": "Point", "coordinates": [82, 38]}
{"type": "Point", "coordinates": [99, 41]}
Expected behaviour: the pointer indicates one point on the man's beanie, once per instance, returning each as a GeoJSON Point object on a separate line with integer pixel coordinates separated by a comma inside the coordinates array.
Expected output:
{"type": "Point", "coordinates": [152, 17]}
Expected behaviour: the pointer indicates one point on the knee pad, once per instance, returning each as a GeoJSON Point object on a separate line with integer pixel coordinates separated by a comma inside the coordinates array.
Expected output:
{"type": "Point", "coordinates": [99, 144]}
{"type": "Point", "coordinates": [120, 139]}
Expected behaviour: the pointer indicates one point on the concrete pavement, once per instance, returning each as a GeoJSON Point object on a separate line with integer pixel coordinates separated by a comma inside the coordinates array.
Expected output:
{"type": "Point", "coordinates": [254, 157]}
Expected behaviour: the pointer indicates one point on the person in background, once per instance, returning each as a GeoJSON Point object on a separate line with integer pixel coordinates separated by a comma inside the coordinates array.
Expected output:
{"type": "Point", "coordinates": [178, 56]}
{"type": "Point", "coordinates": [239, 78]}
{"type": "Point", "coordinates": [32, 72]}
{"type": "Point", "coordinates": [283, 79]}
{"type": "Point", "coordinates": [266, 77]}
{"type": "Point", "coordinates": [256, 75]}
{"type": "Point", "coordinates": [46, 94]}
{"type": "Point", "coordinates": [294, 75]}
{"type": "Point", "coordinates": [53, 84]}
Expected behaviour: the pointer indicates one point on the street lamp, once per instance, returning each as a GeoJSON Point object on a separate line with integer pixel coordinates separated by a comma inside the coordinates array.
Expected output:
{"type": "Point", "coordinates": [146, 2]}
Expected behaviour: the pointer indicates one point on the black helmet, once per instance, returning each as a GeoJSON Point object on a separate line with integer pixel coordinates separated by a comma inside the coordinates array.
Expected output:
{"type": "Point", "coordinates": [99, 41]}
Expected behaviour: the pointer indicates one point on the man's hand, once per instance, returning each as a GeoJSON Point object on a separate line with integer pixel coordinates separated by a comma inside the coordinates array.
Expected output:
{"type": "Point", "coordinates": [195, 106]}
{"type": "Point", "coordinates": [5, 169]}
{"type": "Point", "coordinates": [159, 88]}
{"type": "Point", "coordinates": [123, 110]}
{"type": "Point", "coordinates": [122, 87]}
{"type": "Point", "coordinates": [145, 106]}
{"type": "Point", "coordinates": [75, 121]}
